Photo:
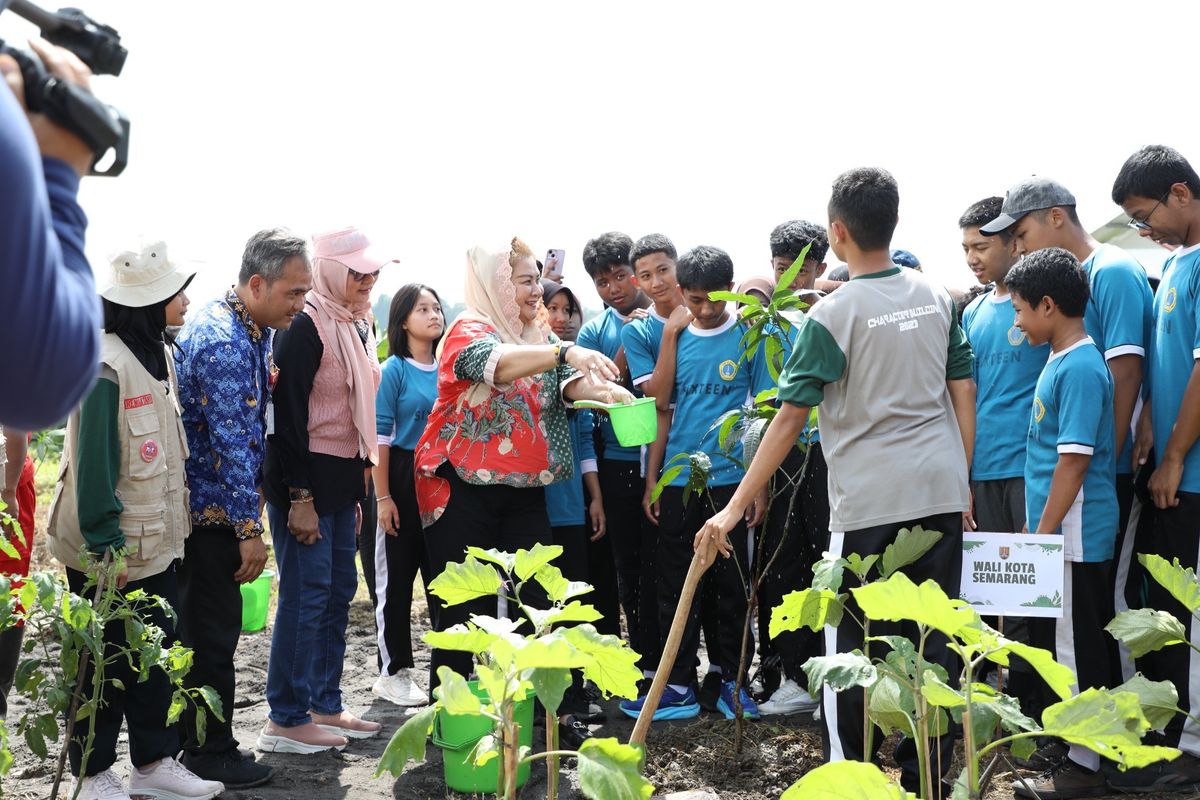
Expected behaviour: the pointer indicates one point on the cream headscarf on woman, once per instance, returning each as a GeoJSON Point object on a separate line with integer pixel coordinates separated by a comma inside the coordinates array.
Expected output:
{"type": "Point", "coordinates": [491, 296]}
{"type": "Point", "coordinates": [336, 314]}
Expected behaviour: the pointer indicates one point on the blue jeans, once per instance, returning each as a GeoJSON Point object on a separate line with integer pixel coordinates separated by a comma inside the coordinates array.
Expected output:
{"type": "Point", "coordinates": [308, 644]}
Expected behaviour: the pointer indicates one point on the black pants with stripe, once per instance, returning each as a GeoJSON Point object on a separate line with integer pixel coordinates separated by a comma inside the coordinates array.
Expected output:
{"type": "Point", "coordinates": [801, 538]}
{"type": "Point", "coordinates": [633, 541]}
{"type": "Point", "coordinates": [842, 712]}
{"type": "Point", "coordinates": [1124, 576]}
{"type": "Point", "coordinates": [1177, 535]}
{"type": "Point", "coordinates": [1078, 639]}
{"type": "Point", "coordinates": [725, 583]}
{"type": "Point", "coordinates": [397, 560]}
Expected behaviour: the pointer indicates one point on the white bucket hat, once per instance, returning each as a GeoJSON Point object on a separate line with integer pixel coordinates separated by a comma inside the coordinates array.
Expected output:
{"type": "Point", "coordinates": [145, 276]}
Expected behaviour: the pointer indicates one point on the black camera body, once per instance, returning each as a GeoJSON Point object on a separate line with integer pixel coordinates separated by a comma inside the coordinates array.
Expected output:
{"type": "Point", "coordinates": [102, 128]}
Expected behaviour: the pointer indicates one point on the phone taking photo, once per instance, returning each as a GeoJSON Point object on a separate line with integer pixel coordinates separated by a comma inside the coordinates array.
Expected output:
{"type": "Point", "coordinates": [553, 265]}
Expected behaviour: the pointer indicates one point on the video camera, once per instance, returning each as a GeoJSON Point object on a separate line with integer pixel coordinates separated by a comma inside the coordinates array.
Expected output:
{"type": "Point", "coordinates": [100, 126]}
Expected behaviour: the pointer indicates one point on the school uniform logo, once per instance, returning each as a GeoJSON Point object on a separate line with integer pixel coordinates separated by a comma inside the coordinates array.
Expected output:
{"type": "Point", "coordinates": [1016, 336]}
{"type": "Point", "coordinates": [1039, 410]}
{"type": "Point", "coordinates": [149, 450]}
{"type": "Point", "coordinates": [1170, 300]}
{"type": "Point", "coordinates": [728, 370]}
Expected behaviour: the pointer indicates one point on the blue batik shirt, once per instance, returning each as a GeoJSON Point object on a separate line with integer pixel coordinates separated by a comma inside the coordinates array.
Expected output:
{"type": "Point", "coordinates": [1006, 374]}
{"type": "Point", "coordinates": [1073, 413]}
{"type": "Point", "coordinates": [1174, 350]}
{"type": "Point", "coordinates": [225, 373]}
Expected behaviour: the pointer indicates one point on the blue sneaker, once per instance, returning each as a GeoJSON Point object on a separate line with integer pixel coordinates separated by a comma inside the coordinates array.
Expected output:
{"type": "Point", "coordinates": [672, 705]}
{"type": "Point", "coordinates": [725, 702]}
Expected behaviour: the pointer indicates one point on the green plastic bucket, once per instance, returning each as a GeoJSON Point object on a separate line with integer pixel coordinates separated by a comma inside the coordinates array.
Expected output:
{"type": "Point", "coordinates": [457, 735]}
{"type": "Point", "coordinates": [634, 424]}
{"type": "Point", "coordinates": [256, 597]}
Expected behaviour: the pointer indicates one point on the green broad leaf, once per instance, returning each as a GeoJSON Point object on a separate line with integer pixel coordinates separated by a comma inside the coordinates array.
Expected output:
{"type": "Point", "coordinates": [530, 561]}
{"type": "Point", "coordinates": [48, 725]}
{"type": "Point", "coordinates": [846, 780]}
{"type": "Point", "coordinates": [6, 756]}
{"type": "Point", "coordinates": [938, 693]}
{"type": "Point", "coordinates": [1110, 723]}
{"type": "Point", "coordinates": [766, 396]}
{"type": "Point", "coordinates": [898, 598]}
{"type": "Point", "coordinates": [1159, 699]}
{"type": "Point", "coordinates": [861, 566]}
{"type": "Point", "coordinates": [36, 742]}
{"type": "Point", "coordinates": [201, 723]}
{"type": "Point", "coordinates": [213, 701]}
{"type": "Point", "coordinates": [752, 438]}
{"type": "Point", "coordinates": [891, 706]}
{"type": "Point", "coordinates": [609, 770]}
{"type": "Point", "coordinates": [784, 287]}
{"type": "Point", "coordinates": [6, 546]}
{"type": "Point", "coordinates": [665, 481]}
{"type": "Point", "coordinates": [908, 547]}
{"type": "Point", "coordinates": [549, 651]}
{"type": "Point", "coordinates": [454, 694]}
{"type": "Point", "coordinates": [734, 297]}
{"type": "Point", "coordinates": [1145, 630]}
{"type": "Point", "coordinates": [500, 558]}
{"type": "Point", "coordinates": [839, 672]}
{"type": "Point", "coordinates": [827, 573]}
{"type": "Point", "coordinates": [465, 638]}
{"type": "Point", "coordinates": [549, 684]}
{"type": "Point", "coordinates": [496, 683]}
{"type": "Point", "coordinates": [725, 425]}
{"type": "Point", "coordinates": [557, 587]}
{"type": "Point", "coordinates": [485, 750]}
{"type": "Point", "coordinates": [990, 708]}
{"type": "Point", "coordinates": [500, 626]}
{"type": "Point", "coordinates": [1060, 678]}
{"type": "Point", "coordinates": [1024, 747]}
{"type": "Point", "coordinates": [902, 655]}
{"type": "Point", "coordinates": [175, 710]}
{"type": "Point", "coordinates": [465, 581]}
{"type": "Point", "coordinates": [1176, 579]}
{"type": "Point", "coordinates": [807, 608]}
{"type": "Point", "coordinates": [407, 743]}
{"type": "Point", "coordinates": [572, 612]}
{"type": "Point", "coordinates": [613, 664]}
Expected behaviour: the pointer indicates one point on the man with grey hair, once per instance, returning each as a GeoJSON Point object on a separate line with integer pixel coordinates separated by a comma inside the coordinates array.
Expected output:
{"type": "Point", "coordinates": [225, 379]}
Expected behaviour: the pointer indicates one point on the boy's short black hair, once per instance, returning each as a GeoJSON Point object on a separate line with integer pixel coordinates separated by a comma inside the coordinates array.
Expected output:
{"type": "Point", "coordinates": [706, 268]}
{"type": "Point", "coordinates": [606, 252]}
{"type": "Point", "coordinates": [650, 244]}
{"type": "Point", "coordinates": [867, 201]}
{"type": "Point", "coordinates": [1151, 172]}
{"type": "Point", "coordinates": [982, 212]}
{"type": "Point", "coordinates": [1055, 273]}
{"type": "Point", "coordinates": [788, 239]}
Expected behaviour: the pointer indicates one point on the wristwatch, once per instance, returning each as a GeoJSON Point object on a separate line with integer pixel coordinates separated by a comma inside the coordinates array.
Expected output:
{"type": "Point", "coordinates": [563, 347]}
{"type": "Point", "coordinates": [300, 495]}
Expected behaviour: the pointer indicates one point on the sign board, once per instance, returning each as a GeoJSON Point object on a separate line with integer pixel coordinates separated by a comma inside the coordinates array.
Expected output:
{"type": "Point", "coordinates": [1013, 574]}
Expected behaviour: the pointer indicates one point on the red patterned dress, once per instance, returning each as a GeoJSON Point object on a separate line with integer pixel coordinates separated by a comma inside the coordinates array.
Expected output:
{"type": "Point", "coordinates": [513, 434]}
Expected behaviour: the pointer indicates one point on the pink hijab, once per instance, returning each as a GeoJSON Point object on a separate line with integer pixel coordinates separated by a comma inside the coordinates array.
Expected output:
{"type": "Point", "coordinates": [336, 314]}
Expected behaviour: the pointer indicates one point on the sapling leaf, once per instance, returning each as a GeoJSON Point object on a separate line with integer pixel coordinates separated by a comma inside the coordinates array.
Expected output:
{"type": "Point", "coordinates": [213, 701]}
{"type": "Point", "coordinates": [735, 297]}
{"type": "Point", "coordinates": [557, 587]}
{"type": "Point", "coordinates": [1109, 723]}
{"type": "Point", "coordinates": [201, 723]}
{"type": "Point", "coordinates": [485, 749]}
{"type": "Point", "coordinates": [454, 694]}
{"type": "Point", "coordinates": [466, 638]}
{"type": "Point", "coordinates": [550, 650]}
{"type": "Point", "coordinates": [491, 555]}
{"type": "Point", "coordinates": [938, 693]}
{"type": "Point", "coordinates": [807, 608]}
{"type": "Point", "coordinates": [1145, 630]}
{"type": "Point", "coordinates": [1023, 748]}
{"type": "Point", "coordinates": [175, 710]}
{"type": "Point", "coordinates": [1159, 699]}
{"type": "Point", "coordinates": [752, 438]}
{"type": "Point", "coordinates": [902, 653]}
{"type": "Point", "coordinates": [861, 566]}
{"type": "Point", "coordinates": [908, 547]}
{"type": "Point", "coordinates": [898, 598]}
{"type": "Point", "coordinates": [529, 561]}
{"type": "Point", "coordinates": [1178, 580]}
{"type": "Point", "coordinates": [571, 612]}
{"type": "Point", "coordinates": [407, 743]}
{"type": "Point", "coordinates": [891, 706]}
{"type": "Point", "coordinates": [465, 581]}
{"type": "Point", "coordinates": [774, 355]}
{"type": "Point", "coordinates": [500, 626]}
{"type": "Point", "coordinates": [609, 770]}
{"type": "Point", "coordinates": [1060, 678]}
{"type": "Point", "coordinates": [827, 573]}
{"type": "Point", "coordinates": [846, 780]}
{"type": "Point", "coordinates": [839, 672]}
{"type": "Point", "coordinates": [550, 683]}
{"type": "Point", "coordinates": [784, 286]}
{"type": "Point", "coordinates": [665, 481]}
{"type": "Point", "coordinates": [612, 666]}
{"type": "Point", "coordinates": [7, 548]}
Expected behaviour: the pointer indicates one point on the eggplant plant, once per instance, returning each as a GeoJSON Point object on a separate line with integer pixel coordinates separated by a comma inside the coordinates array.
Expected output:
{"type": "Point", "coordinates": [512, 657]}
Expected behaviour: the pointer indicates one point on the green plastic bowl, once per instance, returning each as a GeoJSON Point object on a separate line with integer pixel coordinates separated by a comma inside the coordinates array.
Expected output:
{"type": "Point", "coordinates": [256, 598]}
{"type": "Point", "coordinates": [634, 424]}
{"type": "Point", "coordinates": [457, 735]}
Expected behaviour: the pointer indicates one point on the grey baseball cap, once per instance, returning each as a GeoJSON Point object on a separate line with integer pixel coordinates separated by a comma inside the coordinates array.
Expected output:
{"type": "Point", "coordinates": [1031, 194]}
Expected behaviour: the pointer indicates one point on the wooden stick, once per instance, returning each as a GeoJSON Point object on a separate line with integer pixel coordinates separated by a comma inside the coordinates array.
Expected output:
{"type": "Point", "coordinates": [701, 561]}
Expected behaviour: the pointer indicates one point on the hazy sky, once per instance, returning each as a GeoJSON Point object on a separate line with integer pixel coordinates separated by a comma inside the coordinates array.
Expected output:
{"type": "Point", "coordinates": [434, 126]}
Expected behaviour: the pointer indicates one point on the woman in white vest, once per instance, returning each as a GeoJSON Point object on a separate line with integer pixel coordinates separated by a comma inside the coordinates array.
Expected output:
{"type": "Point", "coordinates": [122, 490]}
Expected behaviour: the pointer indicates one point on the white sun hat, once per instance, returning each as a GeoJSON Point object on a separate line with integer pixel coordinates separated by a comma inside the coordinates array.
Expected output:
{"type": "Point", "coordinates": [145, 276]}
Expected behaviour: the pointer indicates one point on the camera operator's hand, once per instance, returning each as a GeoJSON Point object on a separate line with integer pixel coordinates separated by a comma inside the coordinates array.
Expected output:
{"type": "Point", "coordinates": [53, 140]}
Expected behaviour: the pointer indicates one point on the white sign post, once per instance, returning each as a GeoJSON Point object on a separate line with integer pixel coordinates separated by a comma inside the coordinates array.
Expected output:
{"type": "Point", "coordinates": [1013, 574]}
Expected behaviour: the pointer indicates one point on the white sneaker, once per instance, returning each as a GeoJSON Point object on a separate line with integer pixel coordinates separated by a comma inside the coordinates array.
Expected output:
{"type": "Point", "coordinates": [400, 689]}
{"type": "Point", "coordinates": [169, 780]}
{"type": "Point", "coordinates": [789, 698]}
{"type": "Point", "coordinates": [101, 786]}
